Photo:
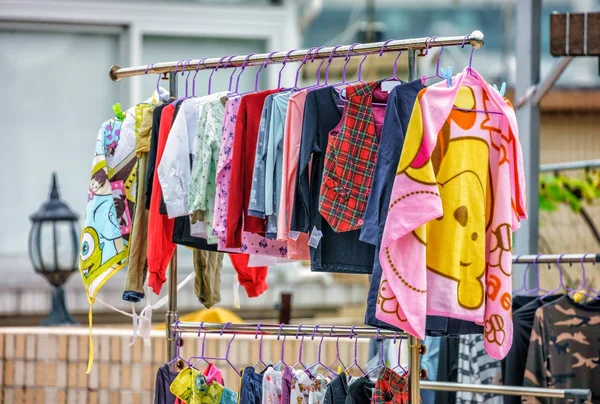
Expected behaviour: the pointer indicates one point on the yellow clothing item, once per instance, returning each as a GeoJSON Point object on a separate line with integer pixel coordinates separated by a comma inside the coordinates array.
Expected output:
{"type": "Point", "coordinates": [190, 387]}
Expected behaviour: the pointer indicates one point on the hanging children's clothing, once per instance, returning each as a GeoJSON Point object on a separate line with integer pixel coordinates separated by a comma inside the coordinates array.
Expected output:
{"type": "Point", "coordinates": [330, 252]}
{"type": "Point", "coordinates": [476, 367]}
{"type": "Point", "coordinates": [479, 200]}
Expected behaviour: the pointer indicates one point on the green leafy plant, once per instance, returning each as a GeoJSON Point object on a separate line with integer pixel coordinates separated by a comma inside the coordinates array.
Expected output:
{"type": "Point", "coordinates": [560, 189]}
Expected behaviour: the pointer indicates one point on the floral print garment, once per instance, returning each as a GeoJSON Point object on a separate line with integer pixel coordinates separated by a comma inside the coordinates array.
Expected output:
{"type": "Point", "coordinates": [253, 244]}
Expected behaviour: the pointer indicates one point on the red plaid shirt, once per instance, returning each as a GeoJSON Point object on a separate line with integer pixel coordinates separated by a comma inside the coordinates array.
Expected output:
{"type": "Point", "coordinates": [390, 388]}
{"type": "Point", "coordinates": [350, 162]}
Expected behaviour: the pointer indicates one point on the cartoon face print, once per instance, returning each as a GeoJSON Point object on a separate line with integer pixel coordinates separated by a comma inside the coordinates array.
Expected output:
{"type": "Point", "coordinates": [90, 253]}
{"type": "Point", "coordinates": [456, 241]}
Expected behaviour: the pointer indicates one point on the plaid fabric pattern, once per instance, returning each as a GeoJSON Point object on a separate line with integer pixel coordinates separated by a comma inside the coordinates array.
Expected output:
{"type": "Point", "coordinates": [390, 388]}
{"type": "Point", "coordinates": [350, 162]}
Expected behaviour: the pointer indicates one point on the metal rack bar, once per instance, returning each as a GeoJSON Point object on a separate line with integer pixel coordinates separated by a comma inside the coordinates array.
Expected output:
{"type": "Point", "coordinates": [334, 331]}
{"type": "Point", "coordinates": [577, 394]}
{"type": "Point", "coordinates": [554, 258]}
{"type": "Point", "coordinates": [475, 39]}
{"type": "Point", "coordinates": [571, 165]}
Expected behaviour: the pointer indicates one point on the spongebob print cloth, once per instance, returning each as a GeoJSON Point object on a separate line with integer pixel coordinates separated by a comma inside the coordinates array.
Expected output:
{"type": "Point", "coordinates": [110, 205]}
{"type": "Point", "coordinates": [458, 194]}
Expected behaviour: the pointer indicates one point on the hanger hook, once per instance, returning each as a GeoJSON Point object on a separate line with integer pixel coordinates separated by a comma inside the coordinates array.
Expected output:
{"type": "Point", "coordinates": [312, 338]}
{"type": "Point", "coordinates": [257, 329]}
{"type": "Point", "coordinates": [329, 63]}
{"type": "Point", "coordinates": [299, 329]}
{"type": "Point", "coordinates": [279, 332]}
{"type": "Point", "coordinates": [262, 66]}
{"type": "Point", "coordinates": [224, 328]}
{"type": "Point", "coordinates": [232, 73]}
{"type": "Point", "coordinates": [583, 275]}
{"type": "Point", "coordinates": [384, 46]}
{"type": "Point", "coordinates": [314, 54]}
{"type": "Point", "coordinates": [352, 331]}
{"type": "Point", "coordinates": [213, 72]}
{"type": "Point", "coordinates": [244, 64]}
{"type": "Point", "coordinates": [283, 66]}
{"type": "Point", "coordinates": [196, 74]}
{"type": "Point", "coordinates": [200, 328]}
{"type": "Point", "coordinates": [300, 67]}
{"type": "Point", "coordinates": [347, 60]}
{"type": "Point", "coordinates": [427, 45]}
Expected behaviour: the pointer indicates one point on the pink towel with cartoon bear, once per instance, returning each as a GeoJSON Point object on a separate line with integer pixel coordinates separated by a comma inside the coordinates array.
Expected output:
{"type": "Point", "coordinates": [458, 194]}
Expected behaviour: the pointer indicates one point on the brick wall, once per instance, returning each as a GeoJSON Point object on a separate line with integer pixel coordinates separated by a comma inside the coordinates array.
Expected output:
{"type": "Point", "coordinates": [47, 365]}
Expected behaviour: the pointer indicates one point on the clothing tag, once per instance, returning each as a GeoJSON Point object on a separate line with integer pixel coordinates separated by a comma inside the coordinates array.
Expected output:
{"type": "Point", "coordinates": [315, 237]}
{"type": "Point", "coordinates": [388, 85]}
{"type": "Point", "coordinates": [293, 235]}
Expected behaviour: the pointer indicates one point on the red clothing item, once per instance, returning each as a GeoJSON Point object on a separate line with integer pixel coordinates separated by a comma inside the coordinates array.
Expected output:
{"type": "Point", "coordinates": [254, 279]}
{"type": "Point", "coordinates": [242, 168]}
{"type": "Point", "coordinates": [160, 227]}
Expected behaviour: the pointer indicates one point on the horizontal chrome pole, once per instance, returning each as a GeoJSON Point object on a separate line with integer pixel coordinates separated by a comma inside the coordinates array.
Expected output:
{"type": "Point", "coordinates": [571, 165]}
{"type": "Point", "coordinates": [475, 39]}
{"type": "Point", "coordinates": [508, 390]}
{"type": "Point", "coordinates": [337, 331]}
{"type": "Point", "coordinates": [554, 258]}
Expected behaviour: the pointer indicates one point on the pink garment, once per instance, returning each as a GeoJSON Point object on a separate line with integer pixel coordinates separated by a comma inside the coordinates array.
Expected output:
{"type": "Point", "coordinates": [253, 244]}
{"type": "Point", "coordinates": [465, 170]}
{"type": "Point", "coordinates": [213, 374]}
{"type": "Point", "coordinates": [297, 249]}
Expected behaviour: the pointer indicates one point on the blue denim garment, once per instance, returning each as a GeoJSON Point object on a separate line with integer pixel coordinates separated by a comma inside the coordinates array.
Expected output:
{"type": "Point", "coordinates": [337, 390]}
{"type": "Point", "coordinates": [256, 207]}
{"type": "Point", "coordinates": [336, 252]}
{"type": "Point", "coordinates": [397, 116]}
{"type": "Point", "coordinates": [251, 387]}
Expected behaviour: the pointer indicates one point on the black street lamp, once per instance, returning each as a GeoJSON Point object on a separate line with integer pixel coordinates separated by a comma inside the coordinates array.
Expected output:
{"type": "Point", "coordinates": [53, 250]}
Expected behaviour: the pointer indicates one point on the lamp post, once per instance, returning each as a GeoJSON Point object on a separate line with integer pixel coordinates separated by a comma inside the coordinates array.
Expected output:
{"type": "Point", "coordinates": [53, 247]}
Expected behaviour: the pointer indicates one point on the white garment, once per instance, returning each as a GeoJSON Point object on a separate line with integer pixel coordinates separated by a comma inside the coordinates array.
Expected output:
{"type": "Point", "coordinates": [271, 386]}
{"type": "Point", "coordinates": [301, 385]}
{"type": "Point", "coordinates": [174, 169]}
{"type": "Point", "coordinates": [318, 389]}
{"type": "Point", "coordinates": [256, 260]}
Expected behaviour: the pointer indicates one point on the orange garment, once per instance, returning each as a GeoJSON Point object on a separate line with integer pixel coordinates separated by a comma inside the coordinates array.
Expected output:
{"type": "Point", "coordinates": [160, 227]}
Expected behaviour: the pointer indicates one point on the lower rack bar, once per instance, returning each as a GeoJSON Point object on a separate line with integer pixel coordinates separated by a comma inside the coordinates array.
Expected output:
{"type": "Point", "coordinates": [554, 258]}
{"type": "Point", "coordinates": [581, 394]}
{"type": "Point", "coordinates": [337, 331]}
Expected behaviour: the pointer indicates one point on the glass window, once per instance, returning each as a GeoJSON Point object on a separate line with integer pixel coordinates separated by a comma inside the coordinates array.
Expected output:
{"type": "Point", "coordinates": [56, 93]}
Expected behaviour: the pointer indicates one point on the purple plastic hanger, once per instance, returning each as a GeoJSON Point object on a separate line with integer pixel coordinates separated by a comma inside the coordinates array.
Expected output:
{"type": "Point", "coordinates": [399, 364]}
{"type": "Point", "coordinates": [229, 349]}
{"type": "Point", "coordinates": [347, 60]}
{"type": "Point", "coordinates": [300, 350]}
{"type": "Point", "coordinates": [319, 361]}
{"type": "Point", "coordinates": [318, 75]}
{"type": "Point", "coordinates": [232, 73]}
{"type": "Point", "coordinates": [329, 64]}
{"type": "Point", "coordinates": [237, 83]}
{"type": "Point", "coordinates": [300, 67]}
{"type": "Point", "coordinates": [178, 351]}
{"type": "Point", "coordinates": [262, 66]}
{"type": "Point", "coordinates": [195, 74]}
{"type": "Point", "coordinates": [157, 81]}
{"type": "Point", "coordinates": [355, 362]}
{"type": "Point", "coordinates": [561, 285]}
{"type": "Point", "coordinates": [437, 63]}
{"type": "Point", "coordinates": [395, 71]}
{"type": "Point", "coordinates": [260, 348]}
{"type": "Point", "coordinates": [282, 360]}
{"type": "Point", "coordinates": [213, 72]}
{"type": "Point", "coordinates": [584, 289]}
{"type": "Point", "coordinates": [337, 353]}
{"type": "Point", "coordinates": [283, 67]}
{"type": "Point", "coordinates": [381, 354]}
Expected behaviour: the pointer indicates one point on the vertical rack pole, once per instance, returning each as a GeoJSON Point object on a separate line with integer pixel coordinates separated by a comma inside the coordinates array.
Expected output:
{"type": "Point", "coordinates": [171, 315]}
{"type": "Point", "coordinates": [414, 363]}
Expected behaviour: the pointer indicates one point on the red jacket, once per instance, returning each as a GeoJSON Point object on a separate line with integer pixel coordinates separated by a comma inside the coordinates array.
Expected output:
{"type": "Point", "coordinates": [160, 227]}
{"type": "Point", "coordinates": [242, 168]}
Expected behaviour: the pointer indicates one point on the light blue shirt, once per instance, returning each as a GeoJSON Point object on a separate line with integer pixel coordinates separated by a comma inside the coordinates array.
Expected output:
{"type": "Point", "coordinates": [274, 163]}
{"type": "Point", "coordinates": [256, 207]}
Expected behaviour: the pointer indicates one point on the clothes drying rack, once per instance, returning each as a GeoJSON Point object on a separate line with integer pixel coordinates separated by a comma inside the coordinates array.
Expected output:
{"type": "Point", "coordinates": [175, 329]}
